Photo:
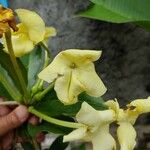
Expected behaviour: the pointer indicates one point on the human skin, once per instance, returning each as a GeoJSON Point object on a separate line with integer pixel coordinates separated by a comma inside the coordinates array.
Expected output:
{"type": "Point", "coordinates": [11, 119]}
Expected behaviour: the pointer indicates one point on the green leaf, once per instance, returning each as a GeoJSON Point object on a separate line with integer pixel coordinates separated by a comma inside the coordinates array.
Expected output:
{"type": "Point", "coordinates": [9, 85]}
{"type": "Point", "coordinates": [25, 60]}
{"type": "Point", "coordinates": [144, 24]}
{"type": "Point", "coordinates": [27, 146]}
{"type": "Point", "coordinates": [4, 93]}
{"type": "Point", "coordinates": [119, 11]}
{"type": "Point", "coordinates": [58, 144]}
{"type": "Point", "coordinates": [6, 63]}
{"type": "Point", "coordinates": [36, 63]}
{"type": "Point", "coordinates": [80, 147]}
{"type": "Point", "coordinates": [22, 131]}
{"type": "Point", "coordinates": [100, 13]}
{"type": "Point", "coordinates": [51, 106]}
{"type": "Point", "coordinates": [47, 127]}
{"type": "Point", "coordinates": [95, 102]}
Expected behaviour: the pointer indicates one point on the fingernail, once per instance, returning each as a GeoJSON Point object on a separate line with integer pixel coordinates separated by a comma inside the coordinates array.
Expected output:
{"type": "Point", "coordinates": [22, 113]}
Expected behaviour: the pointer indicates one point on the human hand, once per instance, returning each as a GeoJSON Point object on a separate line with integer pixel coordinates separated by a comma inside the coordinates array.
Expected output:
{"type": "Point", "coordinates": [10, 120]}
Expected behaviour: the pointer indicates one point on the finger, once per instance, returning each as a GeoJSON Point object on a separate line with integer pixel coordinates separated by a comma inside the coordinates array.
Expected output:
{"type": "Point", "coordinates": [7, 141]}
{"type": "Point", "coordinates": [33, 120]}
{"type": "Point", "coordinates": [4, 110]}
{"type": "Point", "coordinates": [13, 120]}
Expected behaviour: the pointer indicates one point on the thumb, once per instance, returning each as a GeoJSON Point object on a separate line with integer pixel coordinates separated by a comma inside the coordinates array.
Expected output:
{"type": "Point", "coordinates": [14, 119]}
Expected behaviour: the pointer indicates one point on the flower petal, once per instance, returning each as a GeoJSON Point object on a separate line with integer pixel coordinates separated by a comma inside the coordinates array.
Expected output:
{"type": "Point", "coordinates": [103, 140]}
{"type": "Point", "coordinates": [141, 105]}
{"type": "Point", "coordinates": [76, 55]}
{"type": "Point", "coordinates": [21, 44]}
{"type": "Point", "coordinates": [50, 31]}
{"type": "Point", "coordinates": [54, 70]}
{"type": "Point", "coordinates": [91, 81]}
{"type": "Point", "coordinates": [126, 136]}
{"type": "Point", "coordinates": [91, 117]}
{"type": "Point", "coordinates": [34, 24]}
{"type": "Point", "coordinates": [114, 105]}
{"type": "Point", "coordinates": [77, 134]}
{"type": "Point", "coordinates": [70, 86]}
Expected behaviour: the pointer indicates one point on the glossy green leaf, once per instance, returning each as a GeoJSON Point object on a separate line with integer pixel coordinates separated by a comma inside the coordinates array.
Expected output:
{"type": "Point", "coordinates": [58, 144]}
{"type": "Point", "coordinates": [4, 93]}
{"type": "Point", "coordinates": [95, 102]}
{"type": "Point", "coordinates": [119, 11]}
{"type": "Point", "coordinates": [6, 63]}
{"type": "Point", "coordinates": [51, 106]}
{"type": "Point", "coordinates": [48, 128]}
{"type": "Point", "coordinates": [25, 60]}
{"type": "Point", "coordinates": [100, 13]}
{"type": "Point", "coordinates": [36, 63]}
{"type": "Point", "coordinates": [9, 85]}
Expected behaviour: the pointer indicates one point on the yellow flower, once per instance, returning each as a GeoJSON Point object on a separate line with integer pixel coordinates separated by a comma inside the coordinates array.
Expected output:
{"type": "Point", "coordinates": [96, 128]}
{"type": "Point", "coordinates": [31, 31]}
{"type": "Point", "coordinates": [7, 20]}
{"type": "Point", "coordinates": [140, 105]}
{"type": "Point", "coordinates": [126, 119]}
{"type": "Point", "coordinates": [73, 72]}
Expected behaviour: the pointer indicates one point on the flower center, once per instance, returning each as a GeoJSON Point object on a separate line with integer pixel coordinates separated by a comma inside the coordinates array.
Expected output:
{"type": "Point", "coordinates": [73, 66]}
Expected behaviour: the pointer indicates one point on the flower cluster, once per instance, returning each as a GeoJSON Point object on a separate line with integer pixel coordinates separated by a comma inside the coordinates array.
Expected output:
{"type": "Point", "coordinates": [73, 72]}
{"type": "Point", "coordinates": [97, 123]}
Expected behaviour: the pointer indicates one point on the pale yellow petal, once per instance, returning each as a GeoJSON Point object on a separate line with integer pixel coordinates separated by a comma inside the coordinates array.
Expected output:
{"type": "Point", "coordinates": [78, 56]}
{"type": "Point", "coordinates": [50, 31]}
{"type": "Point", "coordinates": [91, 117]}
{"type": "Point", "coordinates": [126, 136]}
{"type": "Point", "coordinates": [103, 140]}
{"type": "Point", "coordinates": [88, 115]}
{"type": "Point", "coordinates": [21, 30]}
{"type": "Point", "coordinates": [114, 105]}
{"type": "Point", "coordinates": [77, 134]}
{"type": "Point", "coordinates": [34, 24]}
{"type": "Point", "coordinates": [91, 81]}
{"type": "Point", "coordinates": [74, 89]}
{"type": "Point", "coordinates": [68, 88]}
{"type": "Point", "coordinates": [141, 105]}
{"type": "Point", "coordinates": [55, 69]}
{"type": "Point", "coordinates": [21, 45]}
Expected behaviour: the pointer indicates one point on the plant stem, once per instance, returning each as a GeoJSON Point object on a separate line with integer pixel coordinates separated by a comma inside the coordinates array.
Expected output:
{"type": "Point", "coordinates": [40, 95]}
{"type": "Point", "coordinates": [53, 120]}
{"type": "Point", "coordinates": [9, 103]}
{"type": "Point", "coordinates": [46, 48]}
{"type": "Point", "coordinates": [14, 62]}
{"type": "Point", "coordinates": [39, 84]}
